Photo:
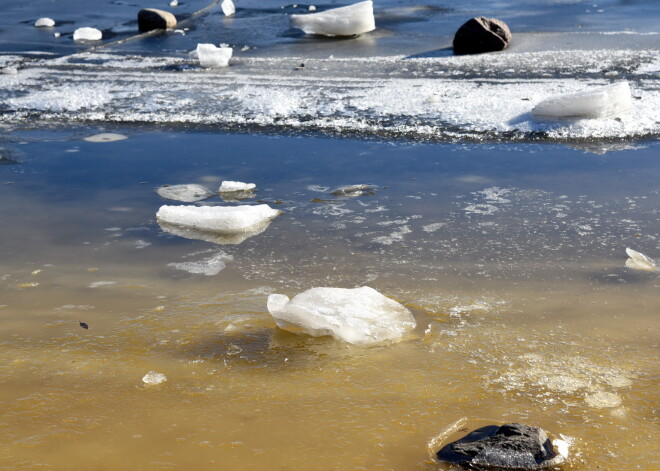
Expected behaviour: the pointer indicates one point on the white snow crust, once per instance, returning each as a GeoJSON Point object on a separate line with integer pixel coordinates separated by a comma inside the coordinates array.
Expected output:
{"type": "Point", "coordinates": [343, 21]}
{"type": "Point", "coordinates": [360, 316]}
{"type": "Point", "coordinates": [210, 56]}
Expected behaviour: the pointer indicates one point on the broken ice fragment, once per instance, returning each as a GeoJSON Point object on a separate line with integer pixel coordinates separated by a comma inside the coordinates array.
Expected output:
{"type": "Point", "coordinates": [228, 7]}
{"type": "Point", "coordinates": [600, 102]}
{"type": "Point", "coordinates": [105, 137]}
{"type": "Point", "coordinates": [211, 56]}
{"type": "Point", "coordinates": [184, 193]}
{"type": "Point", "coordinates": [355, 190]}
{"type": "Point", "coordinates": [639, 261]}
{"type": "Point", "coordinates": [344, 21]}
{"type": "Point", "coordinates": [229, 186]}
{"type": "Point", "coordinates": [358, 316]}
{"type": "Point", "coordinates": [87, 34]}
{"type": "Point", "coordinates": [152, 378]}
{"type": "Point", "coordinates": [44, 23]}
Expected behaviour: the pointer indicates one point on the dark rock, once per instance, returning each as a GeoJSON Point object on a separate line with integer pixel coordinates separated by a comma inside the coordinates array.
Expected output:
{"type": "Point", "coordinates": [151, 18]}
{"type": "Point", "coordinates": [509, 447]}
{"type": "Point", "coordinates": [481, 34]}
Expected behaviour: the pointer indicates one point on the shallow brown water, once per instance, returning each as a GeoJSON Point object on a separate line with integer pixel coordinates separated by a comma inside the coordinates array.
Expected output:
{"type": "Point", "coordinates": [525, 312]}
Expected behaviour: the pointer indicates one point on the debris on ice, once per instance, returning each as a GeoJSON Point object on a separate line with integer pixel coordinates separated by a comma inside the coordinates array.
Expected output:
{"type": "Point", "coordinates": [639, 261]}
{"type": "Point", "coordinates": [44, 23]}
{"type": "Point", "coordinates": [105, 137]}
{"type": "Point", "coordinates": [229, 186]}
{"type": "Point", "coordinates": [87, 34]}
{"type": "Point", "coordinates": [218, 224]}
{"type": "Point", "coordinates": [210, 56]}
{"type": "Point", "coordinates": [355, 190]}
{"type": "Point", "coordinates": [358, 316]}
{"type": "Point", "coordinates": [152, 378]}
{"type": "Point", "coordinates": [601, 102]}
{"type": "Point", "coordinates": [185, 193]}
{"type": "Point", "coordinates": [343, 21]}
{"type": "Point", "coordinates": [228, 7]}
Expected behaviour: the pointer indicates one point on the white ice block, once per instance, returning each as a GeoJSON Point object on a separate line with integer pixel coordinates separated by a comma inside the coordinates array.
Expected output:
{"type": "Point", "coordinates": [184, 193]}
{"type": "Point", "coordinates": [44, 23]}
{"type": "Point", "coordinates": [600, 102]}
{"type": "Point", "coordinates": [228, 7]}
{"type": "Point", "coordinates": [211, 56]}
{"type": "Point", "coordinates": [639, 261]}
{"type": "Point", "coordinates": [218, 219]}
{"type": "Point", "coordinates": [229, 186]}
{"type": "Point", "coordinates": [87, 34]}
{"type": "Point", "coordinates": [153, 378]}
{"type": "Point", "coordinates": [359, 316]}
{"type": "Point", "coordinates": [344, 21]}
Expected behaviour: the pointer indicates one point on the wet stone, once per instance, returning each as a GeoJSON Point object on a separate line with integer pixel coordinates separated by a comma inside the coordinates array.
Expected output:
{"type": "Point", "coordinates": [481, 34]}
{"type": "Point", "coordinates": [507, 447]}
{"type": "Point", "coordinates": [152, 18]}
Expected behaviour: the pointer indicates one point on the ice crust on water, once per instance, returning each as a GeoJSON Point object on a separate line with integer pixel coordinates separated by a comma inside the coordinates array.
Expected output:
{"type": "Point", "coordinates": [360, 316]}
{"type": "Point", "coordinates": [218, 219]}
{"type": "Point", "coordinates": [210, 56]}
{"type": "Point", "coordinates": [44, 23]}
{"type": "Point", "coordinates": [209, 267]}
{"type": "Point", "coordinates": [184, 193]}
{"type": "Point", "coordinates": [105, 137]}
{"type": "Point", "coordinates": [87, 34]}
{"type": "Point", "coordinates": [639, 261]}
{"type": "Point", "coordinates": [601, 102]}
{"type": "Point", "coordinates": [228, 7]}
{"type": "Point", "coordinates": [343, 21]}
{"type": "Point", "coordinates": [153, 378]}
{"type": "Point", "coordinates": [230, 186]}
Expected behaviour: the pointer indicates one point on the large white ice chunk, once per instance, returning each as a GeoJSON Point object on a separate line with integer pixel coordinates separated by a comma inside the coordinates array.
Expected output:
{"type": "Point", "coordinates": [184, 193]}
{"type": "Point", "coordinates": [358, 316]}
{"type": "Point", "coordinates": [601, 102]}
{"type": "Point", "coordinates": [229, 186]}
{"type": "Point", "coordinates": [211, 56]}
{"type": "Point", "coordinates": [87, 34]}
{"type": "Point", "coordinates": [228, 7]}
{"type": "Point", "coordinates": [639, 261]}
{"type": "Point", "coordinates": [344, 21]}
{"type": "Point", "coordinates": [218, 224]}
{"type": "Point", "coordinates": [44, 23]}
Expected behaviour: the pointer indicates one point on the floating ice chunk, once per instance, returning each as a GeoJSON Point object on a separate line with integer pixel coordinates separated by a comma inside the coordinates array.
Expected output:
{"type": "Point", "coordinates": [44, 23]}
{"type": "Point", "coordinates": [357, 316]}
{"type": "Point", "coordinates": [355, 190]}
{"type": "Point", "coordinates": [218, 224]}
{"type": "Point", "coordinates": [344, 21]}
{"type": "Point", "coordinates": [184, 193]}
{"type": "Point", "coordinates": [598, 103]}
{"type": "Point", "coordinates": [639, 261]}
{"type": "Point", "coordinates": [105, 137]}
{"type": "Point", "coordinates": [228, 7]}
{"type": "Point", "coordinates": [229, 186]}
{"type": "Point", "coordinates": [87, 34]}
{"type": "Point", "coordinates": [152, 378]}
{"type": "Point", "coordinates": [603, 399]}
{"type": "Point", "coordinates": [209, 267]}
{"type": "Point", "coordinates": [174, 3]}
{"type": "Point", "coordinates": [212, 56]}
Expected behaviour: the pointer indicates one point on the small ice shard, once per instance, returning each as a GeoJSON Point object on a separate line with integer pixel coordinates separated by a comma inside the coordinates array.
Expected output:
{"type": "Point", "coordinates": [87, 34]}
{"type": "Point", "coordinates": [44, 23]}
{"type": "Point", "coordinates": [601, 102]}
{"type": "Point", "coordinates": [355, 190]}
{"type": "Point", "coordinates": [211, 56]}
{"type": "Point", "coordinates": [218, 224]}
{"type": "Point", "coordinates": [229, 186]}
{"type": "Point", "coordinates": [105, 137]}
{"type": "Point", "coordinates": [639, 261]}
{"type": "Point", "coordinates": [228, 7]}
{"type": "Point", "coordinates": [561, 446]}
{"type": "Point", "coordinates": [152, 378]}
{"type": "Point", "coordinates": [185, 193]}
{"type": "Point", "coordinates": [174, 3]}
{"type": "Point", "coordinates": [360, 316]}
{"type": "Point", "coordinates": [343, 21]}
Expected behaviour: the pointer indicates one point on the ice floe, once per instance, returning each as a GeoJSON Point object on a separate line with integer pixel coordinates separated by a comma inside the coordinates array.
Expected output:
{"type": "Point", "coordinates": [600, 102]}
{"type": "Point", "coordinates": [343, 21]}
{"type": "Point", "coordinates": [44, 23]}
{"type": "Point", "coordinates": [639, 261]}
{"type": "Point", "coordinates": [87, 34]}
{"type": "Point", "coordinates": [211, 56]}
{"type": "Point", "coordinates": [185, 193]}
{"type": "Point", "coordinates": [228, 7]}
{"type": "Point", "coordinates": [105, 137]}
{"type": "Point", "coordinates": [230, 186]}
{"type": "Point", "coordinates": [358, 316]}
{"type": "Point", "coordinates": [153, 378]}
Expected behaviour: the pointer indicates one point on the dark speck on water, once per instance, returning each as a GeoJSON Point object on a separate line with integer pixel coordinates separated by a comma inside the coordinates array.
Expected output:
{"type": "Point", "coordinates": [83, 325]}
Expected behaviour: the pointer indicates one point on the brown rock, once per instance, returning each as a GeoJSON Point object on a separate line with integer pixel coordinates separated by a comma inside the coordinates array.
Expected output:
{"type": "Point", "coordinates": [481, 34]}
{"type": "Point", "coordinates": [151, 18]}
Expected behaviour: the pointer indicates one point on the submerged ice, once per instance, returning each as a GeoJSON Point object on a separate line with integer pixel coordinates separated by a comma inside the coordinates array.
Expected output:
{"type": "Point", "coordinates": [359, 316]}
{"type": "Point", "coordinates": [343, 21]}
{"type": "Point", "coordinates": [184, 193]}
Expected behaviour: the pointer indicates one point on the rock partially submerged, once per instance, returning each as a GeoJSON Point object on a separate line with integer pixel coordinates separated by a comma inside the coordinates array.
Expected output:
{"type": "Point", "coordinates": [87, 34]}
{"type": "Point", "coordinates": [481, 34]}
{"type": "Point", "coordinates": [150, 19]}
{"type": "Point", "coordinates": [343, 21]}
{"type": "Point", "coordinates": [184, 193]}
{"type": "Point", "coordinates": [601, 102]}
{"type": "Point", "coordinates": [359, 316]}
{"type": "Point", "coordinates": [211, 56]}
{"type": "Point", "coordinates": [44, 23]}
{"type": "Point", "coordinates": [639, 261]}
{"type": "Point", "coordinates": [508, 447]}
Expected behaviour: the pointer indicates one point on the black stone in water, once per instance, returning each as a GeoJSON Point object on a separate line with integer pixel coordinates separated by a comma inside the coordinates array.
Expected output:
{"type": "Point", "coordinates": [509, 447]}
{"type": "Point", "coordinates": [83, 325]}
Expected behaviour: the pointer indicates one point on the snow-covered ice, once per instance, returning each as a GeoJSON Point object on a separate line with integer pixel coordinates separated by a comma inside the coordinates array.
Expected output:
{"type": "Point", "coordinates": [229, 186]}
{"type": "Point", "coordinates": [210, 56]}
{"type": "Point", "coordinates": [87, 34]}
{"type": "Point", "coordinates": [184, 193]}
{"type": "Point", "coordinates": [44, 23]}
{"type": "Point", "coordinates": [609, 100]}
{"type": "Point", "coordinates": [228, 7]}
{"type": "Point", "coordinates": [343, 21]}
{"type": "Point", "coordinates": [358, 316]}
{"type": "Point", "coordinates": [153, 378]}
{"type": "Point", "coordinates": [639, 261]}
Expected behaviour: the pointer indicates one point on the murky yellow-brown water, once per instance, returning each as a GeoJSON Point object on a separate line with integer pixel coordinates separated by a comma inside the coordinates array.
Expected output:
{"type": "Point", "coordinates": [529, 333]}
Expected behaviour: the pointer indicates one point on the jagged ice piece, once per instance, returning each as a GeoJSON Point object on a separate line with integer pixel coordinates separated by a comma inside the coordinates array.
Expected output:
{"type": "Point", "coordinates": [639, 261]}
{"type": "Point", "coordinates": [601, 102]}
{"type": "Point", "coordinates": [343, 21]}
{"type": "Point", "coordinates": [228, 7]}
{"type": "Point", "coordinates": [211, 56]}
